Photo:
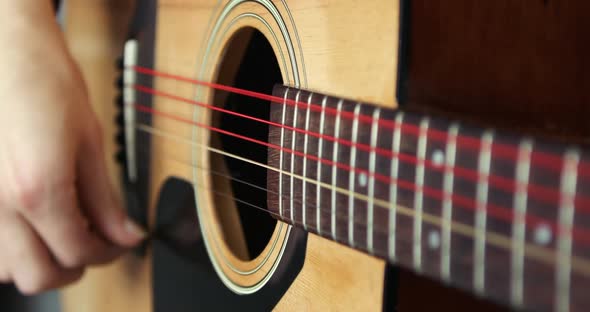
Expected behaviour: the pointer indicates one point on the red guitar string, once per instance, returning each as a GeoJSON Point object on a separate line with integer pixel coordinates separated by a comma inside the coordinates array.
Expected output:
{"type": "Point", "coordinates": [499, 212]}
{"type": "Point", "coordinates": [501, 150]}
{"type": "Point", "coordinates": [539, 192]}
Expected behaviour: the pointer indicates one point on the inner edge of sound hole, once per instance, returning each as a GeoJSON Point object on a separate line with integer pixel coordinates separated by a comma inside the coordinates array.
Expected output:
{"type": "Point", "coordinates": [248, 62]}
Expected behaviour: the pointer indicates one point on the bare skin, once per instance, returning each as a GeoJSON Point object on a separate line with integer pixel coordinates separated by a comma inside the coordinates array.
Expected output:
{"type": "Point", "coordinates": [58, 212]}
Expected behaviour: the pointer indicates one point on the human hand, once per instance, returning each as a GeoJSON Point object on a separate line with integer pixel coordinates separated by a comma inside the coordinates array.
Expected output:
{"type": "Point", "coordinates": [58, 212]}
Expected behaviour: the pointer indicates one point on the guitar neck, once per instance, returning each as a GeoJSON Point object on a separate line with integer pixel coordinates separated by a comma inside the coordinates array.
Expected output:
{"type": "Point", "coordinates": [501, 215]}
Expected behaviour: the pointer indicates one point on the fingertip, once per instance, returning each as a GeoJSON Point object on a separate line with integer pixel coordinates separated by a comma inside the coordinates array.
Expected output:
{"type": "Point", "coordinates": [134, 233]}
{"type": "Point", "coordinates": [134, 230]}
{"type": "Point", "coordinates": [128, 233]}
{"type": "Point", "coordinates": [115, 226]}
{"type": "Point", "coordinates": [4, 275]}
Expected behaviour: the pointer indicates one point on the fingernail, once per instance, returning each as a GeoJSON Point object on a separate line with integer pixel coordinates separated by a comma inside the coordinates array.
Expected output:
{"type": "Point", "coordinates": [134, 229]}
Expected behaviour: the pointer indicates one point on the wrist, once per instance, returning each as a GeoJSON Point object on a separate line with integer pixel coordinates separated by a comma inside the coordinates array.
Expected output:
{"type": "Point", "coordinates": [29, 31]}
{"type": "Point", "coordinates": [25, 21]}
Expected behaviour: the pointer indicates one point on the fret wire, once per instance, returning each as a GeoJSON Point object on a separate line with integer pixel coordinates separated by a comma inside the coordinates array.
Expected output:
{"type": "Point", "coordinates": [447, 205]}
{"type": "Point", "coordinates": [352, 175]}
{"type": "Point", "coordinates": [519, 227]}
{"type": "Point", "coordinates": [305, 136]}
{"type": "Point", "coordinates": [419, 193]}
{"type": "Point", "coordinates": [371, 190]}
{"type": "Point", "coordinates": [281, 151]}
{"type": "Point", "coordinates": [396, 146]}
{"type": "Point", "coordinates": [542, 254]}
{"type": "Point", "coordinates": [293, 137]}
{"type": "Point", "coordinates": [319, 163]}
{"type": "Point", "coordinates": [334, 168]}
{"type": "Point", "coordinates": [568, 187]}
{"type": "Point", "coordinates": [484, 164]}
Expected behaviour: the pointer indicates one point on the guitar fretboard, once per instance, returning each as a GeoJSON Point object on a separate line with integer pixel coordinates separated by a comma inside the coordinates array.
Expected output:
{"type": "Point", "coordinates": [502, 215]}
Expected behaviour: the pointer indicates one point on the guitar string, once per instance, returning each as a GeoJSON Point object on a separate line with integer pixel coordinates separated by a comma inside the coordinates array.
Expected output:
{"type": "Point", "coordinates": [510, 152]}
{"type": "Point", "coordinates": [496, 211]}
{"type": "Point", "coordinates": [580, 265]}
{"type": "Point", "coordinates": [170, 156]}
{"type": "Point", "coordinates": [538, 192]}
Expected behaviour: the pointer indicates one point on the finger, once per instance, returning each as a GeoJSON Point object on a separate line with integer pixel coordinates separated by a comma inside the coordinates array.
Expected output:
{"type": "Point", "coordinates": [56, 217]}
{"type": "Point", "coordinates": [4, 274]}
{"type": "Point", "coordinates": [97, 196]}
{"type": "Point", "coordinates": [27, 259]}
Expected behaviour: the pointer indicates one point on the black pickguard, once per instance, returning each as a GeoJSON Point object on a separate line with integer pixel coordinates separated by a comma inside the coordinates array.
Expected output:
{"type": "Point", "coordinates": [183, 276]}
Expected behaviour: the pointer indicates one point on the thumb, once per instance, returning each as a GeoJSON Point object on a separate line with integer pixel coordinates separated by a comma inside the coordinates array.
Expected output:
{"type": "Point", "coordinates": [98, 199]}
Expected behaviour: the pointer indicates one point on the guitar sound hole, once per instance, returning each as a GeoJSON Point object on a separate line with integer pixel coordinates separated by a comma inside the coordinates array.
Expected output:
{"type": "Point", "coordinates": [249, 63]}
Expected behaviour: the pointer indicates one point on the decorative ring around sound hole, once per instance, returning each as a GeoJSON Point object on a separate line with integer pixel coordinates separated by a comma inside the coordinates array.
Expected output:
{"type": "Point", "coordinates": [239, 275]}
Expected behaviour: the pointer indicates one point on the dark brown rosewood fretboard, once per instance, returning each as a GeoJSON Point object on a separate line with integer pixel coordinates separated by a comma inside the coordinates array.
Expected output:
{"type": "Point", "coordinates": [504, 216]}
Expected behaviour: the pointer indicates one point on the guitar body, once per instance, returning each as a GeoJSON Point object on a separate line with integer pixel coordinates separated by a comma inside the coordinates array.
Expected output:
{"type": "Point", "coordinates": [333, 277]}
{"type": "Point", "coordinates": [239, 256]}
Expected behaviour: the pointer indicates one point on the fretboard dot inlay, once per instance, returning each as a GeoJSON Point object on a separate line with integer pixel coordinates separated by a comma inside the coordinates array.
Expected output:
{"type": "Point", "coordinates": [363, 179]}
{"type": "Point", "coordinates": [438, 158]}
{"type": "Point", "coordinates": [433, 240]}
{"type": "Point", "coordinates": [543, 234]}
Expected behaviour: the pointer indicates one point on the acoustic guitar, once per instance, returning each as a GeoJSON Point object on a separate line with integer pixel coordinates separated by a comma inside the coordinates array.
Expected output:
{"type": "Point", "coordinates": [344, 155]}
